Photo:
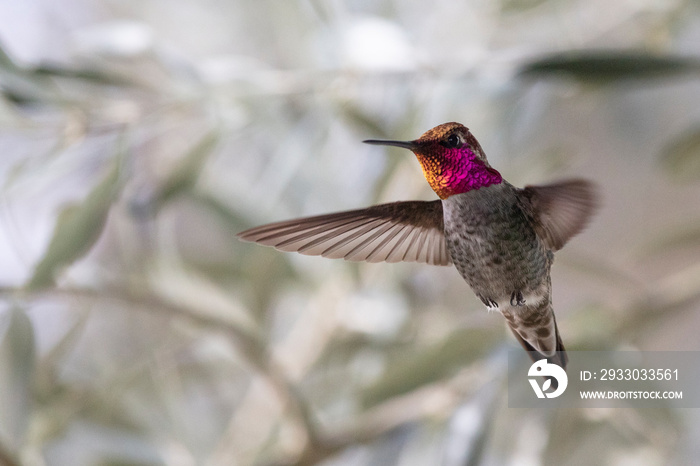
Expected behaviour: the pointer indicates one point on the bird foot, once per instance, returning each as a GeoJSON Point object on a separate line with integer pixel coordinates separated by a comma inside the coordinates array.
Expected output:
{"type": "Point", "coordinates": [489, 303]}
{"type": "Point", "coordinates": [516, 298]}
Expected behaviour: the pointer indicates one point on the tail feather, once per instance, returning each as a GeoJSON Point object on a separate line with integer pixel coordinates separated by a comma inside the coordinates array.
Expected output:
{"type": "Point", "coordinates": [535, 327]}
{"type": "Point", "coordinates": [559, 357]}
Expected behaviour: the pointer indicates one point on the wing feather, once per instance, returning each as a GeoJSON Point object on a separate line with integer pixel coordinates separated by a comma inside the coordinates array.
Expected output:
{"type": "Point", "coordinates": [561, 210]}
{"type": "Point", "coordinates": [410, 231]}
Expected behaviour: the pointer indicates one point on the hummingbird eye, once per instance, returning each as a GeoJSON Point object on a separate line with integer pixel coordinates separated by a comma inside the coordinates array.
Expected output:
{"type": "Point", "coordinates": [453, 141]}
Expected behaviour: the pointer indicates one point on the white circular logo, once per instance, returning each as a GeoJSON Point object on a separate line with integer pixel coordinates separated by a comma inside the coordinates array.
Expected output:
{"type": "Point", "coordinates": [551, 371]}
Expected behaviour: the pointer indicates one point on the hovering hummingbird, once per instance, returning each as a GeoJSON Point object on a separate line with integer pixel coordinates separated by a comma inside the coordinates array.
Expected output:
{"type": "Point", "coordinates": [500, 238]}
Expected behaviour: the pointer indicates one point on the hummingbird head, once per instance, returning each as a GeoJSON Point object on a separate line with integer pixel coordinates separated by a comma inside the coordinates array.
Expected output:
{"type": "Point", "coordinates": [453, 161]}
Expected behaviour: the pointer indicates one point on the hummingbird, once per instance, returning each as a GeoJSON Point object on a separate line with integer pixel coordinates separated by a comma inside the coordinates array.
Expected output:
{"type": "Point", "coordinates": [500, 238]}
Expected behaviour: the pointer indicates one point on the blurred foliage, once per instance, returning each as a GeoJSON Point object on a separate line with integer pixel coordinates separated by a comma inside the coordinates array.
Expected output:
{"type": "Point", "coordinates": [77, 230]}
{"type": "Point", "coordinates": [681, 157]}
{"type": "Point", "coordinates": [602, 66]}
{"type": "Point", "coordinates": [136, 329]}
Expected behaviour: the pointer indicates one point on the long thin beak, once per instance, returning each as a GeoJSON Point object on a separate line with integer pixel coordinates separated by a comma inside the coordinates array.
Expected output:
{"type": "Point", "coordinates": [411, 145]}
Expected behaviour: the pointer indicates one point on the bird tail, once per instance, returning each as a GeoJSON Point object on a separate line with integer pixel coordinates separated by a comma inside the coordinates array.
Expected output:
{"type": "Point", "coordinates": [540, 319]}
{"type": "Point", "coordinates": [559, 357]}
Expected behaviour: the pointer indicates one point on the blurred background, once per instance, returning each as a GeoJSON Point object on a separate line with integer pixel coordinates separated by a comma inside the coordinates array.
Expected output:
{"type": "Point", "coordinates": [138, 137]}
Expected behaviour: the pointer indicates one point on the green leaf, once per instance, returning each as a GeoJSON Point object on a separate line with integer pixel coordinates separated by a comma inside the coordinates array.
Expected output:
{"type": "Point", "coordinates": [363, 121]}
{"type": "Point", "coordinates": [46, 369]}
{"type": "Point", "coordinates": [677, 237]}
{"type": "Point", "coordinates": [230, 218]}
{"type": "Point", "coordinates": [17, 364]}
{"type": "Point", "coordinates": [6, 62]}
{"type": "Point", "coordinates": [184, 176]}
{"type": "Point", "coordinates": [681, 157]}
{"type": "Point", "coordinates": [517, 6]}
{"type": "Point", "coordinates": [20, 86]}
{"type": "Point", "coordinates": [605, 65]}
{"type": "Point", "coordinates": [457, 350]}
{"type": "Point", "coordinates": [83, 74]}
{"type": "Point", "coordinates": [77, 229]}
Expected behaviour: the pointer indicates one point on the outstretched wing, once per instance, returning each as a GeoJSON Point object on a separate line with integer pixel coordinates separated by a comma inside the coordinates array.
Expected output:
{"type": "Point", "coordinates": [411, 231]}
{"type": "Point", "coordinates": [561, 210]}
